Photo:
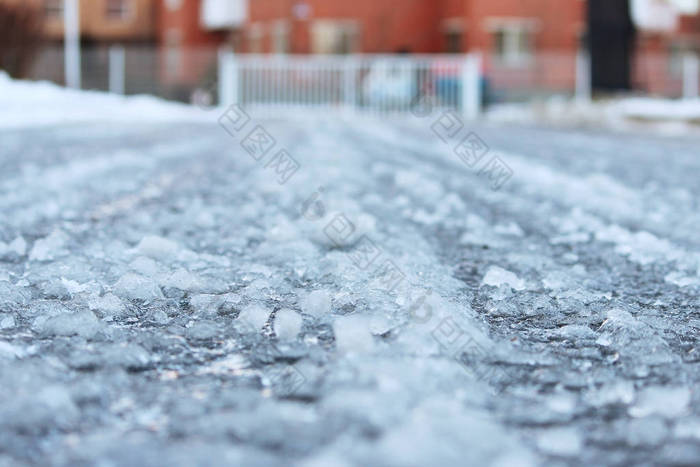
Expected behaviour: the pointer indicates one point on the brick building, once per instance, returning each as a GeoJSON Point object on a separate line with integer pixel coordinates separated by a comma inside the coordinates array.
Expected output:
{"type": "Point", "coordinates": [101, 21]}
{"type": "Point", "coordinates": [509, 28]}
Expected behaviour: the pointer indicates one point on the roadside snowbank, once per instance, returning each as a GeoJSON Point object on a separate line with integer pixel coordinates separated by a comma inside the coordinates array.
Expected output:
{"type": "Point", "coordinates": [30, 104]}
{"type": "Point", "coordinates": [659, 115]}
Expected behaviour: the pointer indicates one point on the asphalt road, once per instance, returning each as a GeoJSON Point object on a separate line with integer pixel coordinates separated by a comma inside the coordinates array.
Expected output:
{"type": "Point", "coordinates": [189, 295]}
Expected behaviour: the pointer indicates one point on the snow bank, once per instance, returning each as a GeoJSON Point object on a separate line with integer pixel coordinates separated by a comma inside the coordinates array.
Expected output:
{"type": "Point", "coordinates": [660, 115]}
{"type": "Point", "coordinates": [26, 104]}
{"type": "Point", "coordinates": [660, 109]}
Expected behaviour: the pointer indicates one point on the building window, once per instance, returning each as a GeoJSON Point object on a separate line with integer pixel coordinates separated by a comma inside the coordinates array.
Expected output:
{"type": "Point", "coordinates": [334, 37]}
{"type": "Point", "coordinates": [173, 53]}
{"type": "Point", "coordinates": [255, 38]}
{"type": "Point", "coordinates": [117, 9]}
{"type": "Point", "coordinates": [173, 5]}
{"type": "Point", "coordinates": [676, 54]}
{"type": "Point", "coordinates": [280, 37]}
{"type": "Point", "coordinates": [513, 40]}
{"type": "Point", "coordinates": [453, 33]}
{"type": "Point", "coordinates": [453, 42]}
{"type": "Point", "coordinates": [53, 8]}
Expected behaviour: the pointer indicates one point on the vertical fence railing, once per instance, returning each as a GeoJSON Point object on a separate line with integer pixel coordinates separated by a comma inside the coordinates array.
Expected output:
{"type": "Point", "coordinates": [471, 86]}
{"type": "Point", "coordinates": [117, 69]}
{"type": "Point", "coordinates": [583, 76]}
{"type": "Point", "coordinates": [377, 84]}
{"type": "Point", "coordinates": [71, 22]}
{"type": "Point", "coordinates": [228, 77]}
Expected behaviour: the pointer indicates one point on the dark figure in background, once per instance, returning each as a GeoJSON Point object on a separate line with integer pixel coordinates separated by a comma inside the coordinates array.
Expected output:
{"type": "Point", "coordinates": [610, 41]}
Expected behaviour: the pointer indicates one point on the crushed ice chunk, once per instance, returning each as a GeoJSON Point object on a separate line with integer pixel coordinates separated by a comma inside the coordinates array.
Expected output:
{"type": "Point", "coordinates": [73, 287]}
{"type": "Point", "coordinates": [253, 317]}
{"type": "Point", "coordinates": [108, 304]}
{"type": "Point", "coordinates": [571, 238]}
{"type": "Point", "coordinates": [159, 248]}
{"type": "Point", "coordinates": [55, 288]}
{"type": "Point", "coordinates": [227, 365]}
{"type": "Point", "coordinates": [576, 331]}
{"type": "Point", "coordinates": [417, 183]}
{"type": "Point", "coordinates": [16, 248]}
{"type": "Point", "coordinates": [211, 302]}
{"type": "Point", "coordinates": [11, 295]}
{"type": "Point", "coordinates": [617, 319]}
{"type": "Point", "coordinates": [511, 229]}
{"type": "Point", "coordinates": [183, 280]}
{"type": "Point", "coordinates": [659, 400]}
{"type": "Point", "coordinates": [9, 351]}
{"type": "Point", "coordinates": [641, 247]}
{"type": "Point", "coordinates": [497, 276]}
{"type": "Point", "coordinates": [620, 392]}
{"type": "Point", "coordinates": [352, 334]}
{"type": "Point", "coordinates": [7, 322]}
{"type": "Point", "coordinates": [560, 442]}
{"type": "Point", "coordinates": [287, 324]}
{"type": "Point", "coordinates": [317, 303]}
{"type": "Point", "coordinates": [688, 428]}
{"type": "Point", "coordinates": [56, 400]}
{"type": "Point", "coordinates": [50, 247]}
{"type": "Point", "coordinates": [634, 338]}
{"type": "Point", "coordinates": [144, 265]}
{"type": "Point", "coordinates": [137, 287]}
{"type": "Point", "coordinates": [682, 280]}
{"type": "Point", "coordinates": [80, 323]}
{"type": "Point", "coordinates": [557, 280]}
{"type": "Point", "coordinates": [647, 431]}
{"type": "Point", "coordinates": [129, 356]}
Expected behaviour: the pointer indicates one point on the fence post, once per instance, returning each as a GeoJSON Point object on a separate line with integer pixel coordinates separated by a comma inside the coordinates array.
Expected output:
{"type": "Point", "coordinates": [228, 77]}
{"type": "Point", "coordinates": [117, 70]}
{"type": "Point", "coordinates": [71, 43]}
{"type": "Point", "coordinates": [350, 82]}
{"type": "Point", "coordinates": [471, 86]}
{"type": "Point", "coordinates": [691, 76]}
{"type": "Point", "coordinates": [583, 76]}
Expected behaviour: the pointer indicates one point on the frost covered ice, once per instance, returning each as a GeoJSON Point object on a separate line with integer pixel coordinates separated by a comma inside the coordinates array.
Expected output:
{"type": "Point", "coordinates": [165, 301]}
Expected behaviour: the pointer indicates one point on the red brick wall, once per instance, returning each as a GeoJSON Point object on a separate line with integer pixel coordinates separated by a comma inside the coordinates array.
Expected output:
{"type": "Point", "coordinates": [384, 26]}
{"type": "Point", "coordinates": [560, 21]}
{"type": "Point", "coordinates": [417, 25]}
{"type": "Point", "coordinates": [194, 47]}
{"type": "Point", "coordinates": [186, 19]}
{"type": "Point", "coordinates": [389, 25]}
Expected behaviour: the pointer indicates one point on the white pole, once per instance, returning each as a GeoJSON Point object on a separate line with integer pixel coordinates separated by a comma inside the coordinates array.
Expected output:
{"type": "Point", "coordinates": [471, 86]}
{"type": "Point", "coordinates": [228, 78]}
{"type": "Point", "coordinates": [116, 69]}
{"type": "Point", "coordinates": [349, 67]}
{"type": "Point", "coordinates": [691, 76]}
{"type": "Point", "coordinates": [71, 21]}
{"type": "Point", "coordinates": [583, 76]}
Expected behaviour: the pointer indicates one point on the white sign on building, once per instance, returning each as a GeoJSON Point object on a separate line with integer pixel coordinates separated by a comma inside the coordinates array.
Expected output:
{"type": "Point", "coordinates": [224, 14]}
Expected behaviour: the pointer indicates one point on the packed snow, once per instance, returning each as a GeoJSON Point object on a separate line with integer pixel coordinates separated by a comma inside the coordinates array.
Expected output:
{"type": "Point", "coordinates": [164, 300]}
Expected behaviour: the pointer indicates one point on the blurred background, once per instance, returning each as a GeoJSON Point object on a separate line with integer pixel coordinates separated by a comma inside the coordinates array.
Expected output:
{"type": "Point", "coordinates": [377, 55]}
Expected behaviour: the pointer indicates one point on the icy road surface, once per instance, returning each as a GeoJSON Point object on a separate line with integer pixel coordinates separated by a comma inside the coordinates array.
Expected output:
{"type": "Point", "coordinates": [164, 300]}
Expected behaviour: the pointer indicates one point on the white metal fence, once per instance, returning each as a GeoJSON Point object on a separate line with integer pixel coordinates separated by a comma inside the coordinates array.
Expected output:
{"type": "Point", "coordinates": [366, 83]}
{"type": "Point", "coordinates": [380, 84]}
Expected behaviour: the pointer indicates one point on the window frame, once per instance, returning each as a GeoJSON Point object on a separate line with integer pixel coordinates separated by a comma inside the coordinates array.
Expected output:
{"type": "Point", "coordinates": [53, 9]}
{"type": "Point", "coordinates": [517, 44]}
{"type": "Point", "coordinates": [125, 10]}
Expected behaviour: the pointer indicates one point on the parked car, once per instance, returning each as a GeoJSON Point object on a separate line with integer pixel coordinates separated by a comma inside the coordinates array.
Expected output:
{"type": "Point", "coordinates": [389, 84]}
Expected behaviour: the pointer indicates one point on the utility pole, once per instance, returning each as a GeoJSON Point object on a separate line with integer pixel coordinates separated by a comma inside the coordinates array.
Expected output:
{"type": "Point", "coordinates": [71, 40]}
